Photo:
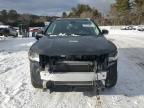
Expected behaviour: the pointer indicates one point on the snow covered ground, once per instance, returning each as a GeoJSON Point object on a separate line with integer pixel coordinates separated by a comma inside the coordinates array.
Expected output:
{"type": "Point", "coordinates": [16, 90]}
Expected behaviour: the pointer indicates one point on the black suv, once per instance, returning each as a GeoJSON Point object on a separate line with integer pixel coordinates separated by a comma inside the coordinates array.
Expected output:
{"type": "Point", "coordinates": [73, 52]}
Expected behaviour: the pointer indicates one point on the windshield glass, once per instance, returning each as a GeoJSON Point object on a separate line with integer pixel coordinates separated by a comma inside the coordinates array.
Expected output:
{"type": "Point", "coordinates": [72, 27]}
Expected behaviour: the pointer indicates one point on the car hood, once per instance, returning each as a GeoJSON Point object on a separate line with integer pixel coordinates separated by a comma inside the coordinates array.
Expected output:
{"type": "Point", "coordinates": [80, 45]}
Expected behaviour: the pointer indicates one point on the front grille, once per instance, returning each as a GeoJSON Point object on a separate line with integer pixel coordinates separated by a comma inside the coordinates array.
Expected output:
{"type": "Point", "coordinates": [72, 63]}
{"type": "Point", "coordinates": [44, 58]}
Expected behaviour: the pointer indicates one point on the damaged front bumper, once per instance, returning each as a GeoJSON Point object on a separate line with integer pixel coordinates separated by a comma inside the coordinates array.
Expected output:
{"type": "Point", "coordinates": [82, 73]}
{"type": "Point", "coordinates": [73, 78]}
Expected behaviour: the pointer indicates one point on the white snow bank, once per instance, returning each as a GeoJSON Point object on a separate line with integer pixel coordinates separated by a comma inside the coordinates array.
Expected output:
{"type": "Point", "coordinates": [2, 37]}
{"type": "Point", "coordinates": [126, 32]}
{"type": "Point", "coordinates": [116, 30]}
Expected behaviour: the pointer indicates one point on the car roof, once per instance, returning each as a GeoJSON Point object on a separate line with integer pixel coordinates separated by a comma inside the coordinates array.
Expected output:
{"type": "Point", "coordinates": [61, 19]}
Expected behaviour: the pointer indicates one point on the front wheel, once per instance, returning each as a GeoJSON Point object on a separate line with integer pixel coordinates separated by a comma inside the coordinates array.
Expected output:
{"type": "Point", "coordinates": [111, 79]}
{"type": "Point", "coordinates": [35, 75]}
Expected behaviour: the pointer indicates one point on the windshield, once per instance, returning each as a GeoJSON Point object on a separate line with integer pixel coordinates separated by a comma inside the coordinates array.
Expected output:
{"type": "Point", "coordinates": [72, 27]}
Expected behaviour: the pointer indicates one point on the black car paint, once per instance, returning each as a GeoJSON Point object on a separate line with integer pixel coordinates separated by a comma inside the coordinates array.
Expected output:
{"type": "Point", "coordinates": [73, 45]}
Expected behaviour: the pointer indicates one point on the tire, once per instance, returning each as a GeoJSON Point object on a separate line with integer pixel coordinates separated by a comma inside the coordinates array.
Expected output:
{"type": "Point", "coordinates": [111, 79]}
{"type": "Point", "coordinates": [16, 35]}
{"type": "Point", "coordinates": [35, 75]}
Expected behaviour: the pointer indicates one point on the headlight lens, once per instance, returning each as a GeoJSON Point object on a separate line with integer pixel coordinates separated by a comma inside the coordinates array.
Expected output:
{"type": "Point", "coordinates": [113, 56]}
{"type": "Point", "coordinates": [33, 56]}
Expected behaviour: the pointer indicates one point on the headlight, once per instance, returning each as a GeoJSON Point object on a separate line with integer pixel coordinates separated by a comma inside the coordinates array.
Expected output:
{"type": "Point", "coordinates": [113, 56]}
{"type": "Point", "coordinates": [33, 56]}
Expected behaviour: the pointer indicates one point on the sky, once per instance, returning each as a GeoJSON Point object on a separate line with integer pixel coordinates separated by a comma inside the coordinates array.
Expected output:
{"type": "Point", "coordinates": [52, 7]}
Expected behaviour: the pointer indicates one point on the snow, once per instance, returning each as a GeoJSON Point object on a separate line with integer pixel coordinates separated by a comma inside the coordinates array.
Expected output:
{"type": "Point", "coordinates": [16, 90]}
{"type": "Point", "coordinates": [2, 38]}
{"type": "Point", "coordinates": [4, 26]}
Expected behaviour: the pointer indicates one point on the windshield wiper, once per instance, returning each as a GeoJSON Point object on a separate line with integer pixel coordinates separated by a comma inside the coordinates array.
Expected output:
{"type": "Point", "coordinates": [73, 35]}
{"type": "Point", "coordinates": [67, 34]}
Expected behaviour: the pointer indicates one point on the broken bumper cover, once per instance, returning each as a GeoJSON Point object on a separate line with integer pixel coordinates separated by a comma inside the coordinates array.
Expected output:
{"type": "Point", "coordinates": [73, 78]}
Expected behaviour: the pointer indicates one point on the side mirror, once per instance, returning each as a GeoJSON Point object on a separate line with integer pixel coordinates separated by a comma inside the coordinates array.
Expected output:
{"type": "Point", "coordinates": [105, 32]}
{"type": "Point", "coordinates": [38, 36]}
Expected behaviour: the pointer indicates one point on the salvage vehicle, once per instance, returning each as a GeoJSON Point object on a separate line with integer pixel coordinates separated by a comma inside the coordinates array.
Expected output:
{"type": "Point", "coordinates": [128, 28]}
{"type": "Point", "coordinates": [72, 52]}
{"type": "Point", "coordinates": [140, 28]}
{"type": "Point", "coordinates": [13, 32]}
{"type": "Point", "coordinates": [8, 31]}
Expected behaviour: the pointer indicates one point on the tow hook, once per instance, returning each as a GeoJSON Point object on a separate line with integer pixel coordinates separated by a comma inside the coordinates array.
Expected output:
{"type": "Point", "coordinates": [47, 86]}
{"type": "Point", "coordinates": [44, 85]}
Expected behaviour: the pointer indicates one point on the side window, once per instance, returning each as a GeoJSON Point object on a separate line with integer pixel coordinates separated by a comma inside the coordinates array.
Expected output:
{"type": "Point", "coordinates": [51, 28]}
